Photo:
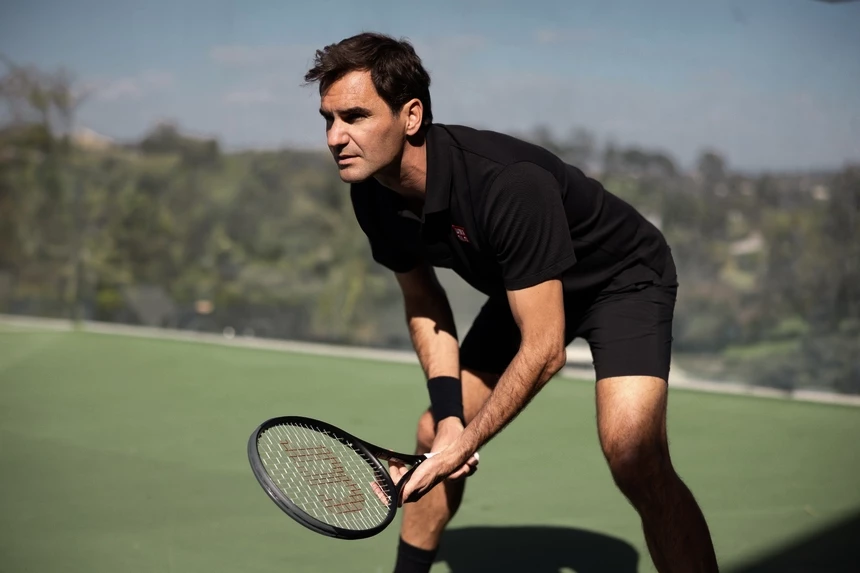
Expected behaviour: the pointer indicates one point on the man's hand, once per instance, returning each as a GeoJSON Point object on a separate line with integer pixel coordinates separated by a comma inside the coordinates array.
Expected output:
{"type": "Point", "coordinates": [451, 463]}
{"type": "Point", "coordinates": [447, 432]}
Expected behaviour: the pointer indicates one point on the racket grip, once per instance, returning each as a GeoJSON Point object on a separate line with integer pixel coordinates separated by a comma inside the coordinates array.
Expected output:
{"type": "Point", "coordinates": [429, 455]}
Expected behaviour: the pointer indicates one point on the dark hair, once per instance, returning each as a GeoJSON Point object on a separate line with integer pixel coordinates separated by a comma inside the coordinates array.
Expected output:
{"type": "Point", "coordinates": [395, 68]}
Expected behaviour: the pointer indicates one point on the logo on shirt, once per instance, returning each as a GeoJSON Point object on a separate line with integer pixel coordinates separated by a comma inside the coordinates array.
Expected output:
{"type": "Point", "coordinates": [461, 233]}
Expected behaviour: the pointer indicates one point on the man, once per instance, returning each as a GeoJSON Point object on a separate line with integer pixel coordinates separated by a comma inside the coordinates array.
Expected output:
{"type": "Point", "coordinates": [558, 256]}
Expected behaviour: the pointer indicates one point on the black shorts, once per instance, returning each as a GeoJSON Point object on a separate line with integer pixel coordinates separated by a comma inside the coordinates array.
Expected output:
{"type": "Point", "coordinates": [629, 330]}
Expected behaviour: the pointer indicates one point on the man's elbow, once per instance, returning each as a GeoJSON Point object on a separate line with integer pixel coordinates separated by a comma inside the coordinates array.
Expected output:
{"type": "Point", "coordinates": [551, 359]}
{"type": "Point", "coordinates": [548, 354]}
{"type": "Point", "coordinates": [555, 361]}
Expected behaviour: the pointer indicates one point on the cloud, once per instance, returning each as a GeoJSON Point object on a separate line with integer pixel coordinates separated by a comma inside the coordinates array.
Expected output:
{"type": "Point", "coordinates": [448, 52]}
{"type": "Point", "coordinates": [557, 36]}
{"type": "Point", "coordinates": [132, 87]}
{"type": "Point", "coordinates": [438, 49]}
{"type": "Point", "coordinates": [272, 76]}
{"type": "Point", "coordinates": [752, 127]}
{"type": "Point", "coordinates": [119, 89]}
{"type": "Point", "coordinates": [250, 97]}
{"type": "Point", "coordinates": [457, 44]}
{"type": "Point", "coordinates": [266, 74]}
{"type": "Point", "coordinates": [243, 56]}
{"type": "Point", "coordinates": [257, 99]}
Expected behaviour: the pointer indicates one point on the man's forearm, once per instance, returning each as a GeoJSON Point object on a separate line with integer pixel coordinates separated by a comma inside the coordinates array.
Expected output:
{"type": "Point", "coordinates": [527, 374]}
{"type": "Point", "coordinates": [433, 334]}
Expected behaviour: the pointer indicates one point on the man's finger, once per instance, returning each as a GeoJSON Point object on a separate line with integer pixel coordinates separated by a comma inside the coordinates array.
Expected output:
{"type": "Point", "coordinates": [469, 468]}
{"type": "Point", "coordinates": [404, 494]}
{"type": "Point", "coordinates": [459, 474]}
{"type": "Point", "coordinates": [396, 470]}
{"type": "Point", "coordinates": [412, 495]}
{"type": "Point", "coordinates": [379, 492]}
{"type": "Point", "coordinates": [466, 470]}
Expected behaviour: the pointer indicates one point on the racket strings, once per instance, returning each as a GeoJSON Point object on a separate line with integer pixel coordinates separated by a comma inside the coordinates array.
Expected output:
{"type": "Point", "coordinates": [324, 476]}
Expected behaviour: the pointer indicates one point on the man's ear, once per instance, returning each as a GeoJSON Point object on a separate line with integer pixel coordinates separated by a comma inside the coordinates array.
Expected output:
{"type": "Point", "coordinates": [414, 111]}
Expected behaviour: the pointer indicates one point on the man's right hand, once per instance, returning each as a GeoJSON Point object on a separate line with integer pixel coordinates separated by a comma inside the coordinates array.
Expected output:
{"type": "Point", "coordinates": [447, 432]}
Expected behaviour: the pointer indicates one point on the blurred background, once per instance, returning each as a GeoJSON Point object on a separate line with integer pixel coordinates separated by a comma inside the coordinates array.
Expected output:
{"type": "Point", "coordinates": [161, 163]}
{"type": "Point", "coordinates": [163, 173]}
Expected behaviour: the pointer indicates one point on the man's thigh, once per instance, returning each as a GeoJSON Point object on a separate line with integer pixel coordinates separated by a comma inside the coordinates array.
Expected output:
{"type": "Point", "coordinates": [477, 387]}
{"type": "Point", "coordinates": [492, 341]}
{"type": "Point", "coordinates": [630, 332]}
{"type": "Point", "coordinates": [630, 335]}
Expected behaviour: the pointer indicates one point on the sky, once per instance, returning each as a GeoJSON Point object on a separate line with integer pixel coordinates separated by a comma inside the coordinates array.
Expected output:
{"type": "Point", "coordinates": [769, 84]}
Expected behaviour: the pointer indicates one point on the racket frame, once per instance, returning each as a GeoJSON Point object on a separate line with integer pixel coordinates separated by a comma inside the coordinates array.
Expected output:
{"type": "Point", "coordinates": [374, 454]}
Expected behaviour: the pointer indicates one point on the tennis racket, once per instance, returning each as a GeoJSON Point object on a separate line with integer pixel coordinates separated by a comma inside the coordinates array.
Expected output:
{"type": "Point", "coordinates": [325, 478]}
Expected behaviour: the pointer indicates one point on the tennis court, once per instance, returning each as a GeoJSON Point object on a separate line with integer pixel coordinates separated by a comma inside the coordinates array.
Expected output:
{"type": "Point", "coordinates": [128, 454]}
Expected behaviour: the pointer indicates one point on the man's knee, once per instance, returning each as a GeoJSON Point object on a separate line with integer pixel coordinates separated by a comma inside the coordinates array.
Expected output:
{"type": "Point", "coordinates": [632, 428]}
{"type": "Point", "coordinates": [638, 465]}
{"type": "Point", "coordinates": [477, 387]}
{"type": "Point", "coordinates": [426, 432]}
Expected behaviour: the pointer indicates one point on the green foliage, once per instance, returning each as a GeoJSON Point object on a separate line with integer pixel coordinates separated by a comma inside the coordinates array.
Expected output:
{"type": "Point", "coordinates": [172, 231]}
{"type": "Point", "coordinates": [276, 249]}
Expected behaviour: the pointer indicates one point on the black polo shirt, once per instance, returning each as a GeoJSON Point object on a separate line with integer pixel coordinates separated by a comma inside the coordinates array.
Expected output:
{"type": "Point", "coordinates": [505, 214]}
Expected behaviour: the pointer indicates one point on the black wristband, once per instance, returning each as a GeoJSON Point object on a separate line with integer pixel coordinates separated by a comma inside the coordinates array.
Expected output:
{"type": "Point", "coordinates": [446, 398]}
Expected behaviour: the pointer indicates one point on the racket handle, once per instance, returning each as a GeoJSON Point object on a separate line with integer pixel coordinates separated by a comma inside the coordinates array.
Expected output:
{"type": "Point", "coordinates": [431, 454]}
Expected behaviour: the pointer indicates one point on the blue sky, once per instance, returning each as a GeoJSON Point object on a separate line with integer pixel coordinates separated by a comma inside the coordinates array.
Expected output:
{"type": "Point", "coordinates": [771, 84]}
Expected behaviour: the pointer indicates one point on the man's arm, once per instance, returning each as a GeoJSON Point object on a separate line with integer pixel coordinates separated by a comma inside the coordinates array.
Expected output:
{"type": "Point", "coordinates": [431, 322]}
{"type": "Point", "coordinates": [539, 313]}
{"type": "Point", "coordinates": [434, 336]}
{"type": "Point", "coordinates": [527, 230]}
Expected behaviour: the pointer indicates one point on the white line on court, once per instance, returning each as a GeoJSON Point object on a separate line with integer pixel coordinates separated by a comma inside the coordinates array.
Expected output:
{"type": "Point", "coordinates": [678, 378]}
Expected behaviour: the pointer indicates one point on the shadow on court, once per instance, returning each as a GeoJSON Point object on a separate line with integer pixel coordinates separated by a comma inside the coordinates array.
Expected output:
{"type": "Point", "coordinates": [535, 549]}
{"type": "Point", "coordinates": [835, 549]}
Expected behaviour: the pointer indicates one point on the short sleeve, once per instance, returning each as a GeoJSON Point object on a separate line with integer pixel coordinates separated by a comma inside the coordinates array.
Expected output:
{"type": "Point", "coordinates": [527, 226]}
{"type": "Point", "coordinates": [394, 239]}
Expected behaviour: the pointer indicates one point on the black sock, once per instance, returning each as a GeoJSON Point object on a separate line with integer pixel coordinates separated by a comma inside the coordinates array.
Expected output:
{"type": "Point", "coordinates": [411, 559]}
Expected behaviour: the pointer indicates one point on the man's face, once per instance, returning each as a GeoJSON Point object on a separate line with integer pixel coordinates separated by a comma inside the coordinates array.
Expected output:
{"type": "Point", "coordinates": [363, 135]}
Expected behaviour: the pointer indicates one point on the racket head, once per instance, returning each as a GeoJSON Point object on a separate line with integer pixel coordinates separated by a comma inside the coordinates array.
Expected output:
{"type": "Point", "coordinates": [321, 475]}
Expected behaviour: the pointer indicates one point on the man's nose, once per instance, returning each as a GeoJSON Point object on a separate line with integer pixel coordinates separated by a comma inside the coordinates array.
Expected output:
{"type": "Point", "coordinates": [337, 135]}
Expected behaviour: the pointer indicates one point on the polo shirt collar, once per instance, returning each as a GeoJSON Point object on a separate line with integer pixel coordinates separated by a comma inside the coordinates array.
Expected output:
{"type": "Point", "coordinates": [438, 185]}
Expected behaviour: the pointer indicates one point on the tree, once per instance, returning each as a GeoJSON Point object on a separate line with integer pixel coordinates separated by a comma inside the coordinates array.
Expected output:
{"type": "Point", "coordinates": [39, 117]}
{"type": "Point", "coordinates": [711, 167]}
{"type": "Point", "coordinates": [44, 103]}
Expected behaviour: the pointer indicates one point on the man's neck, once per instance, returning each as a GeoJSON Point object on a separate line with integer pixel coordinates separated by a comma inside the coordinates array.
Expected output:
{"type": "Point", "coordinates": [408, 177]}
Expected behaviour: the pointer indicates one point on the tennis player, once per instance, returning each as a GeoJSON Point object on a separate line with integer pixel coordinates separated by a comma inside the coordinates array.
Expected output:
{"type": "Point", "coordinates": [558, 257]}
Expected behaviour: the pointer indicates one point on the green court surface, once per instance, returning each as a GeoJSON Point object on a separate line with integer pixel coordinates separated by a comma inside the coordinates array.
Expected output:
{"type": "Point", "coordinates": [128, 454]}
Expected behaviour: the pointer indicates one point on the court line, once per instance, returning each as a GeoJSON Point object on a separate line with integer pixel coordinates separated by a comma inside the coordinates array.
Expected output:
{"type": "Point", "coordinates": [678, 378]}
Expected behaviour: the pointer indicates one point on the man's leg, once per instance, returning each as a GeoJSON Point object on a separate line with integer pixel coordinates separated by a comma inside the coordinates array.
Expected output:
{"type": "Point", "coordinates": [424, 520]}
{"type": "Point", "coordinates": [631, 418]}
